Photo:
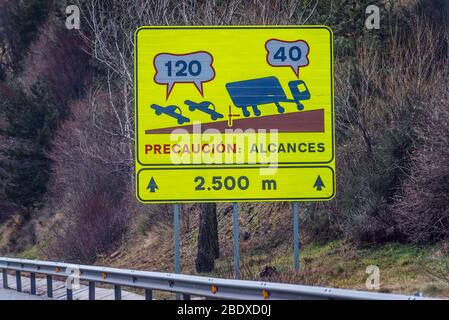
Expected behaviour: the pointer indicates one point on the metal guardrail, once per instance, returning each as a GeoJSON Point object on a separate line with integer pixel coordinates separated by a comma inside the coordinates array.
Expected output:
{"type": "Point", "coordinates": [186, 285]}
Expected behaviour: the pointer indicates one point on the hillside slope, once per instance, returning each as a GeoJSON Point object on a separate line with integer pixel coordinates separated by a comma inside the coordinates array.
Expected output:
{"type": "Point", "coordinates": [266, 253]}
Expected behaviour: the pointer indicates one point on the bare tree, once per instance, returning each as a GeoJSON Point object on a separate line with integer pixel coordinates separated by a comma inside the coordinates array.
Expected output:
{"type": "Point", "coordinates": [208, 247]}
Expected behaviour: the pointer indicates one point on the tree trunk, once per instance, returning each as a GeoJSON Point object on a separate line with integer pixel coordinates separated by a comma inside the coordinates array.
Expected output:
{"type": "Point", "coordinates": [208, 247]}
{"type": "Point", "coordinates": [214, 230]}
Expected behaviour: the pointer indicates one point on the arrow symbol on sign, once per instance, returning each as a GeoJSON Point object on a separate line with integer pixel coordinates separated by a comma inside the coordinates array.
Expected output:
{"type": "Point", "coordinates": [319, 185]}
{"type": "Point", "coordinates": [152, 186]}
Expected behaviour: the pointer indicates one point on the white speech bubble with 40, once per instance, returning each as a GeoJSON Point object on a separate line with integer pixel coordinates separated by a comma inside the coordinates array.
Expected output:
{"type": "Point", "coordinates": [293, 54]}
{"type": "Point", "coordinates": [195, 68]}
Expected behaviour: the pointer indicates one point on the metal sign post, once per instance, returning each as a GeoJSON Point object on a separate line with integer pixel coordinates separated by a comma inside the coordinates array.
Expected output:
{"type": "Point", "coordinates": [236, 240]}
{"type": "Point", "coordinates": [176, 237]}
{"type": "Point", "coordinates": [176, 242]}
{"type": "Point", "coordinates": [296, 235]}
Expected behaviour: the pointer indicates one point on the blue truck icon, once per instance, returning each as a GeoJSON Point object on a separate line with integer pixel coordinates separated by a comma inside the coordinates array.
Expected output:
{"type": "Point", "coordinates": [255, 92]}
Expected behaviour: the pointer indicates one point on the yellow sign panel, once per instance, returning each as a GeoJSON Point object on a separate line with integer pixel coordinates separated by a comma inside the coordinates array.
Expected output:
{"type": "Point", "coordinates": [236, 184]}
{"type": "Point", "coordinates": [234, 113]}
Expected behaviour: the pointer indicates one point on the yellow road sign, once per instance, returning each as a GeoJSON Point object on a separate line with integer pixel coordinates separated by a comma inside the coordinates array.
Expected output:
{"type": "Point", "coordinates": [235, 184]}
{"type": "Point", "coordinates": [220, 105]}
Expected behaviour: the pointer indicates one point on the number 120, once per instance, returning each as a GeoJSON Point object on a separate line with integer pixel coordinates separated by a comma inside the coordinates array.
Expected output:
{"type": "Point", "coordinates": [183, 68]}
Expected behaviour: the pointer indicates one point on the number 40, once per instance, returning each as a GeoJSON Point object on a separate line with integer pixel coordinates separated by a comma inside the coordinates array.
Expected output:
{"type": "Point", "coordinates": [294, 54]}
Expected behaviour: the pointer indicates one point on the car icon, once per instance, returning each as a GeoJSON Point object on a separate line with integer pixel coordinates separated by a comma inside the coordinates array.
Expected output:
{"type": "Point", "coordinates": [206, 107]}
{"type": "Point", "coordinates": [172, 111]}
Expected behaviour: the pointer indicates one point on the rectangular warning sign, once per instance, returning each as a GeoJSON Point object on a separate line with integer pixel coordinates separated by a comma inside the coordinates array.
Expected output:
{"type": "Point", "coordinates": [234, 97]}
{"type": "Point", "coordinates": [236, 184]}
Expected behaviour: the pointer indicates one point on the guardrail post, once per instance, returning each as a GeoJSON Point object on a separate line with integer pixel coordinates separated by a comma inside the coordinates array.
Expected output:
{"type": "Point", "coordinates": [49, 286]}
{"type": "Point", "coordinates": [33, 283]}
{"type": "Point", "coordinates": [148, 294]}
{"type": "Point", "coordinates": [69, 294]}
{"type": "Point", "coordinates": [19, 281]}
{"type": "Point", "coordinates": [5, 278]}
{"type": "Point", "coordinates": [117, 292]}
{"type": "Point", "coordinates": [91, 290]}
{"type": "Point", "coordinates": [236, 240]}
{"type": "Point", "coordinates": [296, 235]}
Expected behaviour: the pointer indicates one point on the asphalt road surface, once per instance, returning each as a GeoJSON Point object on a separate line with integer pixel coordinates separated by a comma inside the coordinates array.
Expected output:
{"type": "Point", "coordinates": [14, 295]}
